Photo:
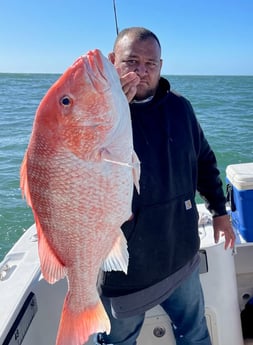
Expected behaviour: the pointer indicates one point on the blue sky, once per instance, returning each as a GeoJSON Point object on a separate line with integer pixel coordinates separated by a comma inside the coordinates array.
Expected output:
{"type": "Point", "coordinates": [211, 37]}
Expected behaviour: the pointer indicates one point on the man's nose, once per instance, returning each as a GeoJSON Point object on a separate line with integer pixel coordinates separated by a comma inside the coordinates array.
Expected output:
{"type": "Point", "coordinates": [140, 70]}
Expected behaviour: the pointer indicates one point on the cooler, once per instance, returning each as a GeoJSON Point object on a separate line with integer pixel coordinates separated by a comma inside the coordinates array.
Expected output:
{"type": "Point", "coordinates": [240, 188]}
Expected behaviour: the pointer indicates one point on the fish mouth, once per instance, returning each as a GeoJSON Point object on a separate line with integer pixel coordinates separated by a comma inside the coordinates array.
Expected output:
{"type": "Point", "coordinates": [95, 69]}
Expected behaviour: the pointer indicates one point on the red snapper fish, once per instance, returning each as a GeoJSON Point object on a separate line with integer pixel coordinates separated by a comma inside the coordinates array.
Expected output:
{"type": "Point", "coordinates": [77, 176]}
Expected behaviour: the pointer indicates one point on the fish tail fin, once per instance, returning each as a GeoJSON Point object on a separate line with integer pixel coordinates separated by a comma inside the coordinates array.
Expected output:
{"type": "Point", "coordinates": [117, 260]}
{"type": "Point", "coordinates": [75, 328]}
{"type": "Point", "coordinates": [51, 266]}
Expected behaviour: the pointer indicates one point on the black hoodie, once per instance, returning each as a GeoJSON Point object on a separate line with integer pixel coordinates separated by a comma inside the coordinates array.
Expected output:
{"type": "Point", "coordinates": [176, 161]}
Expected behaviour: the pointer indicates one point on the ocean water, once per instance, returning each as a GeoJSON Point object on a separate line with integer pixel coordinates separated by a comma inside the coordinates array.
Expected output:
{"type": "Point", "coordinates": [223, 105]}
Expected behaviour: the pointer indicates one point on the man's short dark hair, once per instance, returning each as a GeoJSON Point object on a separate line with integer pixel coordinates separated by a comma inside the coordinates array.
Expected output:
{"type": "Point", "coordinates": [139, 32]}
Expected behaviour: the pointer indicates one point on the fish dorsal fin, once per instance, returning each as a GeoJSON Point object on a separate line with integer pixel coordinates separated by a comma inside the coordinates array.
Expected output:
{"type": "Point", "coordinates": [24, 181]}
{"type": "Point", "coordinates": [51, 267]}
{"type": "Point", "coordinates": [117, 260]}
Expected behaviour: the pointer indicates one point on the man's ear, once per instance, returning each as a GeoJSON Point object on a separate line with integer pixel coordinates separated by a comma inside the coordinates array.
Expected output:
{"type": "Point", "coordinates": [111, 57]}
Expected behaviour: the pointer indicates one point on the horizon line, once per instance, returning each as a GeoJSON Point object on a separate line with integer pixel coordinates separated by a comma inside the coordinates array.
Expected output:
{"type": "Point", "coordinates": [162, 74]}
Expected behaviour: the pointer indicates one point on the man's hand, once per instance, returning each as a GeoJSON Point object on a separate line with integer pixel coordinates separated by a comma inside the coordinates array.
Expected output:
{"type": "Point", "coordinates": [222, 224]}
{"type": "Point", "coordinates": [129, 83]}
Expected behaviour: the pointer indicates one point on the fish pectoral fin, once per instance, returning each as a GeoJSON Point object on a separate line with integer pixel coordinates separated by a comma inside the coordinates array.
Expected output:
{"type": "Point", "coordinates": [51, 267]}
{"type": "Point", "coordinates": [117, 260]}
{"type": "Point", "coordinates": [76, 327]}
{"type": "Point", "coordinates": [136, 171]}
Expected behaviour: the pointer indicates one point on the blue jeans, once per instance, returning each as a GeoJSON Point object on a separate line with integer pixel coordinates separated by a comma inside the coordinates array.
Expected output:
{"type": "Point", "coordinates": [185, 307]}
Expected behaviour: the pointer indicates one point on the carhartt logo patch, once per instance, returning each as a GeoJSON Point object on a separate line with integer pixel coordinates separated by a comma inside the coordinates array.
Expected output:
{"type": "Point", "coordinates": [188, 204]}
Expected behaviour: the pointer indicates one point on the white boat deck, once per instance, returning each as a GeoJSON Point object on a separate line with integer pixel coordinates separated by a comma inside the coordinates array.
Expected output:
{"type": "Point", "coordinates": [20, 275]}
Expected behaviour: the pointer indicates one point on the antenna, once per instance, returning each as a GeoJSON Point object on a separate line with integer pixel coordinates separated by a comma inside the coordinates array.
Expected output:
{"type": "Point", "coordinates": [115, 16]}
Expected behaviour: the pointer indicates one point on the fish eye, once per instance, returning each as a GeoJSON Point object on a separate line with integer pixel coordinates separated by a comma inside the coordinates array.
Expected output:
{"type": "Point", "coordinates": [66, 101]}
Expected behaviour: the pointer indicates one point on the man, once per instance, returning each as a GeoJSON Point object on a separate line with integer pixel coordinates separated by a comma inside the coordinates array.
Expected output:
{"type": "Point", "coordinates": [163, 242]}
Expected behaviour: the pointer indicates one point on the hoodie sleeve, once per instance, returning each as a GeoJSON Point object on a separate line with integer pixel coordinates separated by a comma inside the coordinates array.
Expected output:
{"type": "Point", "coordinates": [209, 184]}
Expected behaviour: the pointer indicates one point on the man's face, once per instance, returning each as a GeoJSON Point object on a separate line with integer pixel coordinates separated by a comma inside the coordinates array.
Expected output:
{"type": "Point", "coordinates": [142, 57]}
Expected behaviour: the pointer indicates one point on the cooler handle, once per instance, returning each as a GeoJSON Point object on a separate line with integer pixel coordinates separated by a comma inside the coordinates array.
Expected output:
{"type": "Point", "coordinates": [230, 197]}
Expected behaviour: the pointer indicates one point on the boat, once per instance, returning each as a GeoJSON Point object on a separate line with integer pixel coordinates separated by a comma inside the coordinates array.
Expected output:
{"type": "Point", "coordinates": [30, 308]}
